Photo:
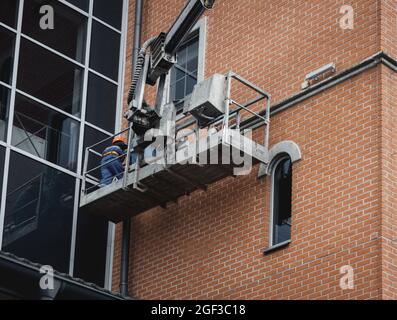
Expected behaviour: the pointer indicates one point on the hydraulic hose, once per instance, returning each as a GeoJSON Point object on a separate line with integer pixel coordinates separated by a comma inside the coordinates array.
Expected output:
{"type": "Point", "coordinates": [138, 69]}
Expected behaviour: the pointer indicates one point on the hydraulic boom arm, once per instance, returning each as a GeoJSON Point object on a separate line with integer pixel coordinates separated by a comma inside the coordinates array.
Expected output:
{"type": "Point", "coordinates": [156, 58]}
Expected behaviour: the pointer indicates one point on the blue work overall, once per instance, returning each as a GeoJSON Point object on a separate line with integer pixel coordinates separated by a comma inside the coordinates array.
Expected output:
{"type": "Point", "coordinates": [111, 167]}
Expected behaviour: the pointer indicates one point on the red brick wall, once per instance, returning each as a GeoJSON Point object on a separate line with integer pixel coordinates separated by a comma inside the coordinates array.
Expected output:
{"type": "Point", "coordinates": [388, 184]}
{"type": "Point", "coordinates": [273, 43]}
{"type": "Point", "coordinates": [210, 244]}
{"type": "Point", "coordinates": [388, 27]}
{"type": "Point", "coordinates": [276, 43]}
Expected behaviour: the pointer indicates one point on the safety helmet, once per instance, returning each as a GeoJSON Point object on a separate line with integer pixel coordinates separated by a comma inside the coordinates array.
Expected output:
{"type": "Point", "coordinates": [119, 139]}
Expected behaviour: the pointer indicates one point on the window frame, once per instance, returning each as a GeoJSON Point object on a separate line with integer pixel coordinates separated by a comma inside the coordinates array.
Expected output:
{"type": "Point", "coordinates": [193, 37]}
{"type": "Point", "coordinates": [29, 136]}
{"type": "Point", "coordinates": [200, 29]}
{"type": "Point", "coordinates": [274, 165]}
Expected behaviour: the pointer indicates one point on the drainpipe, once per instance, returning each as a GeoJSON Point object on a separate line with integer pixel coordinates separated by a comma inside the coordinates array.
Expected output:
{"type": "Point", "coordinates": [125, 249]}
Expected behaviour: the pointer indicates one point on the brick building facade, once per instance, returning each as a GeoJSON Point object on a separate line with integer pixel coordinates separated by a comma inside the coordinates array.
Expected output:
{"type": "Point", "coordinates": [210, 245]}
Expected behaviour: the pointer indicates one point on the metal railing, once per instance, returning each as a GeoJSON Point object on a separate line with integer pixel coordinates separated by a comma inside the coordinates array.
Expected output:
{"type": "Point", "coordinates": [87, 176]}
{"type": "Point", "coordinates": [231, 119]}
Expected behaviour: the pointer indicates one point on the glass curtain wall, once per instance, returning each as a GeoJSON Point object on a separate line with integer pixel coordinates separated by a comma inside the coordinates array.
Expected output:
{"type": "Point", "coordinates": [60, 89]}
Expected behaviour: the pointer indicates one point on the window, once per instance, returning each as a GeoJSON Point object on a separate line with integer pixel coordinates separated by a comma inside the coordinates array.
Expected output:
{"type": "Point", "coordinates": [109, 14]}
{"type": "Point", "coordinates": [8, 12]}
{"type": "Point", "coordinates": [70, 34]}
{"type": "Point", "coordinates": [62, 84]}
{"type": "Point", "coordinates": [4, 107]}
{"type": "Point", "coordinates": [102, 97]}
{"type": "Point", "coordinates": [45, 133]}
{"type": "Point", "coordinates": [184, 73]}
{"type": "Point", "coordinates": [91, 246]}
{"type": "Point", "coordinates": [2, 155]}
{"type": "Point", "coordinates": [105, 50]}
{"type": "Point", "coordinates": [82, 4]}
{"type": "Point", "coordinates": [189, 69]}
{"type": "Point", "coordinates": [281, 201]}
{"type": "Point", "coordinates": [7, 40]}
{"type": "Point", "coordinates": [39, 213]}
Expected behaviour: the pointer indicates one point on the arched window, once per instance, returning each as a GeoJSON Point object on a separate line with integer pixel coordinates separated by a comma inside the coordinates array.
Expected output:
{"type": "Point", "coordinates": [281, 196]}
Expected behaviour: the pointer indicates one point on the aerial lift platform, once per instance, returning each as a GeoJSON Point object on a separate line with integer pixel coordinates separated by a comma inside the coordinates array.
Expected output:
{"type": "Point", "coordinates": [194, 157]}
{"type": "Point", "coordinates": [193, 150]}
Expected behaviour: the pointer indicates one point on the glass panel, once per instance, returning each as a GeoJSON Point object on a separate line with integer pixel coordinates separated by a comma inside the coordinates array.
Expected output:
{"type": "Point", "coordinates": [45, 133]}
{"type": "Point", "coordinates": [7, 43]}
{"type": "Point", "coordinates": [9, 12]}
{"type": "Point", "coordinates": [4, 109]}
{"type": "Point", "coordinates": [181, 56]}
{"type": "Point", "coordinates": [69, 34]}
{"type": "Point", "coordinates": [190, 83]}
{"type": "Point", "coordinates": [184, 75]}
{"type": "Point", "coordinates": [105, 50]}
{"type": "Point", "coordinates": [62, 84]}
{"type": "Point", "coordinates": [179, 74]}
{"type": "Point", "coordinates": [91, 246]}
{"type": "Point", "coordinates": [179, 89]}
{"type": "Point", "coordinates": [91, 137]}
{"type": "Point", "coordinates": [282, 201]}
{"type": "Point", "coordinates": [39, 213]}
{"type": "Point", "coordinates": [109, 11]}
{"type": "Point", "coordinates": [192, 58]}
{"type": "Point", "coordinates": [2, 155]}
{"type": "Point", "coordinates": [101, 103]}
{"type": "Point", "coordinates": [82, 4]}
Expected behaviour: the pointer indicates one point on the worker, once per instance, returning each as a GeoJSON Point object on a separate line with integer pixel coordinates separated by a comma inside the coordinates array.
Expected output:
{"type": "Point", "coordinates": [112, 161]}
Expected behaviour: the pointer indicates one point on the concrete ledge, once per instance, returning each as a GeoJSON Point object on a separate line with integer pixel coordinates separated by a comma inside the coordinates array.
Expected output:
{"type": "Point", "coordinates": [276, 247]}
{"type": "Point", "coordinates": [287, 147]}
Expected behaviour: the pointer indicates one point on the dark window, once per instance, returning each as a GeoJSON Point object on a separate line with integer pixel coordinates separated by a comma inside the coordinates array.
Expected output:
{"type": "Point", "coordinates": [91, 246]}
{"type": "Point", "coordinates": [2, 155]}
{"type": "Point", "coordinates": [39, 213]}
{"type": "Point", "coordinates": [109, 11]}
{"type": "Point", "coordinates": [45, 133]}
{"type": "Point", "coordinates": [105, 50]}
{"type": "Point", "coordinates": [82, 4]}
{"type": "Point", "coordinates": [184, 72]}
{"type": "Point", "coordinates": [69, 33]}
{"type": "Point", "coordinates": [91, 137]}
{"type": "Point", "coordinates": [7, 42]}
{"type": "Point", "coordinates": [101, 102]}
{"type": "Point", "coordinates": [92, 231]}
{"type": "Point", "coordinates": [4, 109]}
{"type": "Point", "coordinates": [9, 12]}
{"type": "Point", "coordinates": [50, 78]}
{"type": "Point", "coordinates": [282, 192]}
